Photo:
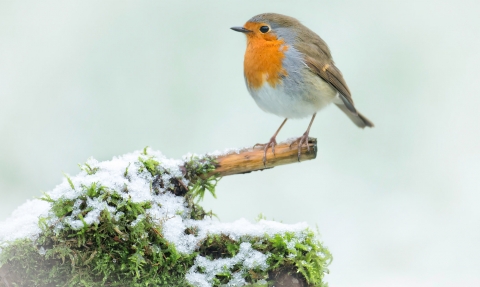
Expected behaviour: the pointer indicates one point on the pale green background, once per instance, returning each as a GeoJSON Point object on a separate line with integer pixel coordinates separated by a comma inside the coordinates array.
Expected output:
{"type": "Point", "coordinates": [398, 205]}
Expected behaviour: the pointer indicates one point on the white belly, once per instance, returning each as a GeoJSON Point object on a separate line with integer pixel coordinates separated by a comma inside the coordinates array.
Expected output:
{"type": "Point", "coordinates": [299, 102]}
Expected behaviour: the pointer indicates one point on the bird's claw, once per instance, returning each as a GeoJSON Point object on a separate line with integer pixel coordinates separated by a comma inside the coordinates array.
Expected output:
{"type": "Point", "coordinates": [271, 143]}
{"type": "Point", "coordinates": [301, 141]}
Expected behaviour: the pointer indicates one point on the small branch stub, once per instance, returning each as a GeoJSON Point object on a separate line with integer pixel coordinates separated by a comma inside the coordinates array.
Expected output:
{"type": "Point", "coordinates": [251, 159]}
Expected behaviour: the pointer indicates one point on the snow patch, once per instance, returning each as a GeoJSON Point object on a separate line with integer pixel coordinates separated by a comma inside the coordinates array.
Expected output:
{"type": "Point", "coordinates": [23, 223]}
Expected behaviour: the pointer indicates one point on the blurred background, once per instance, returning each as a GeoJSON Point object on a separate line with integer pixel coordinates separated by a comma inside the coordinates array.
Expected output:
{"type": "Point", "coordinates": [398, 205]}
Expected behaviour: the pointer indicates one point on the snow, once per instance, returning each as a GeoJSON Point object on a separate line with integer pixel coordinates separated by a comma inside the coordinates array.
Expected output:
{"type": "Point", "coordinates": [126, 175]}
{"type": "Point", "coordinates": [249, 257]}
{"type": "Point", "coordinates": [174, 230]}
{"type": "Point", "coordinates": [226, 151]}
{"type": "Point", "coordinates": [23, 223]}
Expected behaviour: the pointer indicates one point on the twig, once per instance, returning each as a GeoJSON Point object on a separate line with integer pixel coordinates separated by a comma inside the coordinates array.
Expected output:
{"type": "Point", "coordinates": [251, 159]}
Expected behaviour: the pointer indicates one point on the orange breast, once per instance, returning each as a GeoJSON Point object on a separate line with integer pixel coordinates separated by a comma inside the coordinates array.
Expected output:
{"type": "Point", "coordinates": [263, 61]}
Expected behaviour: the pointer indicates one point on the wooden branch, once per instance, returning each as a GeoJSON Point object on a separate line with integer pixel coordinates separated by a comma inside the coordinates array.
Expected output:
{"type": "Point", "coordinates": [251, 159]}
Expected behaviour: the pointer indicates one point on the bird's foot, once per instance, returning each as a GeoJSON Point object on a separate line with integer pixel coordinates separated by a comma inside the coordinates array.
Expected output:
{"type": "Point", "coordinates": [272, 143]}
{"type": "Point", "coordinates": [303, 140]}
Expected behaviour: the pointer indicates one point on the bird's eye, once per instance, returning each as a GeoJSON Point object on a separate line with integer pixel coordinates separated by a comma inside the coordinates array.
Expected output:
{"type": "Point", "coordinates": [264, 29]}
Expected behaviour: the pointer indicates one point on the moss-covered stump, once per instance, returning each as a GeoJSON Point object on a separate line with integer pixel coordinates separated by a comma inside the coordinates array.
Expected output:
{"type": "Point", "coordinates": [135, 221]}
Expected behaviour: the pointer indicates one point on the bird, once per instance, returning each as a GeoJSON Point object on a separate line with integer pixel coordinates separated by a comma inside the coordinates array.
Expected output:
{"type": "Point", "coordinates": [289, 72]}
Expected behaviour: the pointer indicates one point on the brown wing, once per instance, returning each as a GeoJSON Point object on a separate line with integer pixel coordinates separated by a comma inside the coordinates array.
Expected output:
{"type": "Point", "coordinates": [318, 58]}
{"type": "Point", "coordinates": [330, 73]}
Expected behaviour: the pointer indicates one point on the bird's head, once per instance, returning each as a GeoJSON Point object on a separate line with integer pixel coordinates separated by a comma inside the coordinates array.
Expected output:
{"type": "Point", "coordinates": [269, 27]}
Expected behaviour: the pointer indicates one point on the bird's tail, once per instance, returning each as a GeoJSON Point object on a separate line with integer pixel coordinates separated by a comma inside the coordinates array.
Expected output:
{"type": "Point", "coordinates": [356, 117]}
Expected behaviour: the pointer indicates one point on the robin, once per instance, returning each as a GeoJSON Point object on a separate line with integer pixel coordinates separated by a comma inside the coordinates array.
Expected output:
{"type": "Point", "coordinates": [289, 72]}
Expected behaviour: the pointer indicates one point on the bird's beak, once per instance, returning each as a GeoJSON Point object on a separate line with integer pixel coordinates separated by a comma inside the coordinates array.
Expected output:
{"type": "Point", "coordinates": [241, 29]}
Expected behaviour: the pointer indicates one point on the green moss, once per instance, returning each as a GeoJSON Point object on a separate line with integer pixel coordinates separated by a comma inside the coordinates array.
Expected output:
{"type": "Point", "coordinates": [150, 164]}
{"type": "Point", "coordinates": [88, 169]}
{"type": "Point", "coordinates": [195, 170]}
{"type": "Point", "coordinates": [288, 253]}
{"type": "Point", "coordinates": [117, 252]}
{"type": "Point", "coordinates": [128, 248]}
{"type": "Point", "coordinates": [308, 257]}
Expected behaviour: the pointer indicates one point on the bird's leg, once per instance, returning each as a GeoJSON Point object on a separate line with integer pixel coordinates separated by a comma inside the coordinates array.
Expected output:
{"type": "Point", "coordinates": [271, 143]}
{"type": "Point", "coordinates": [303, 139]}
